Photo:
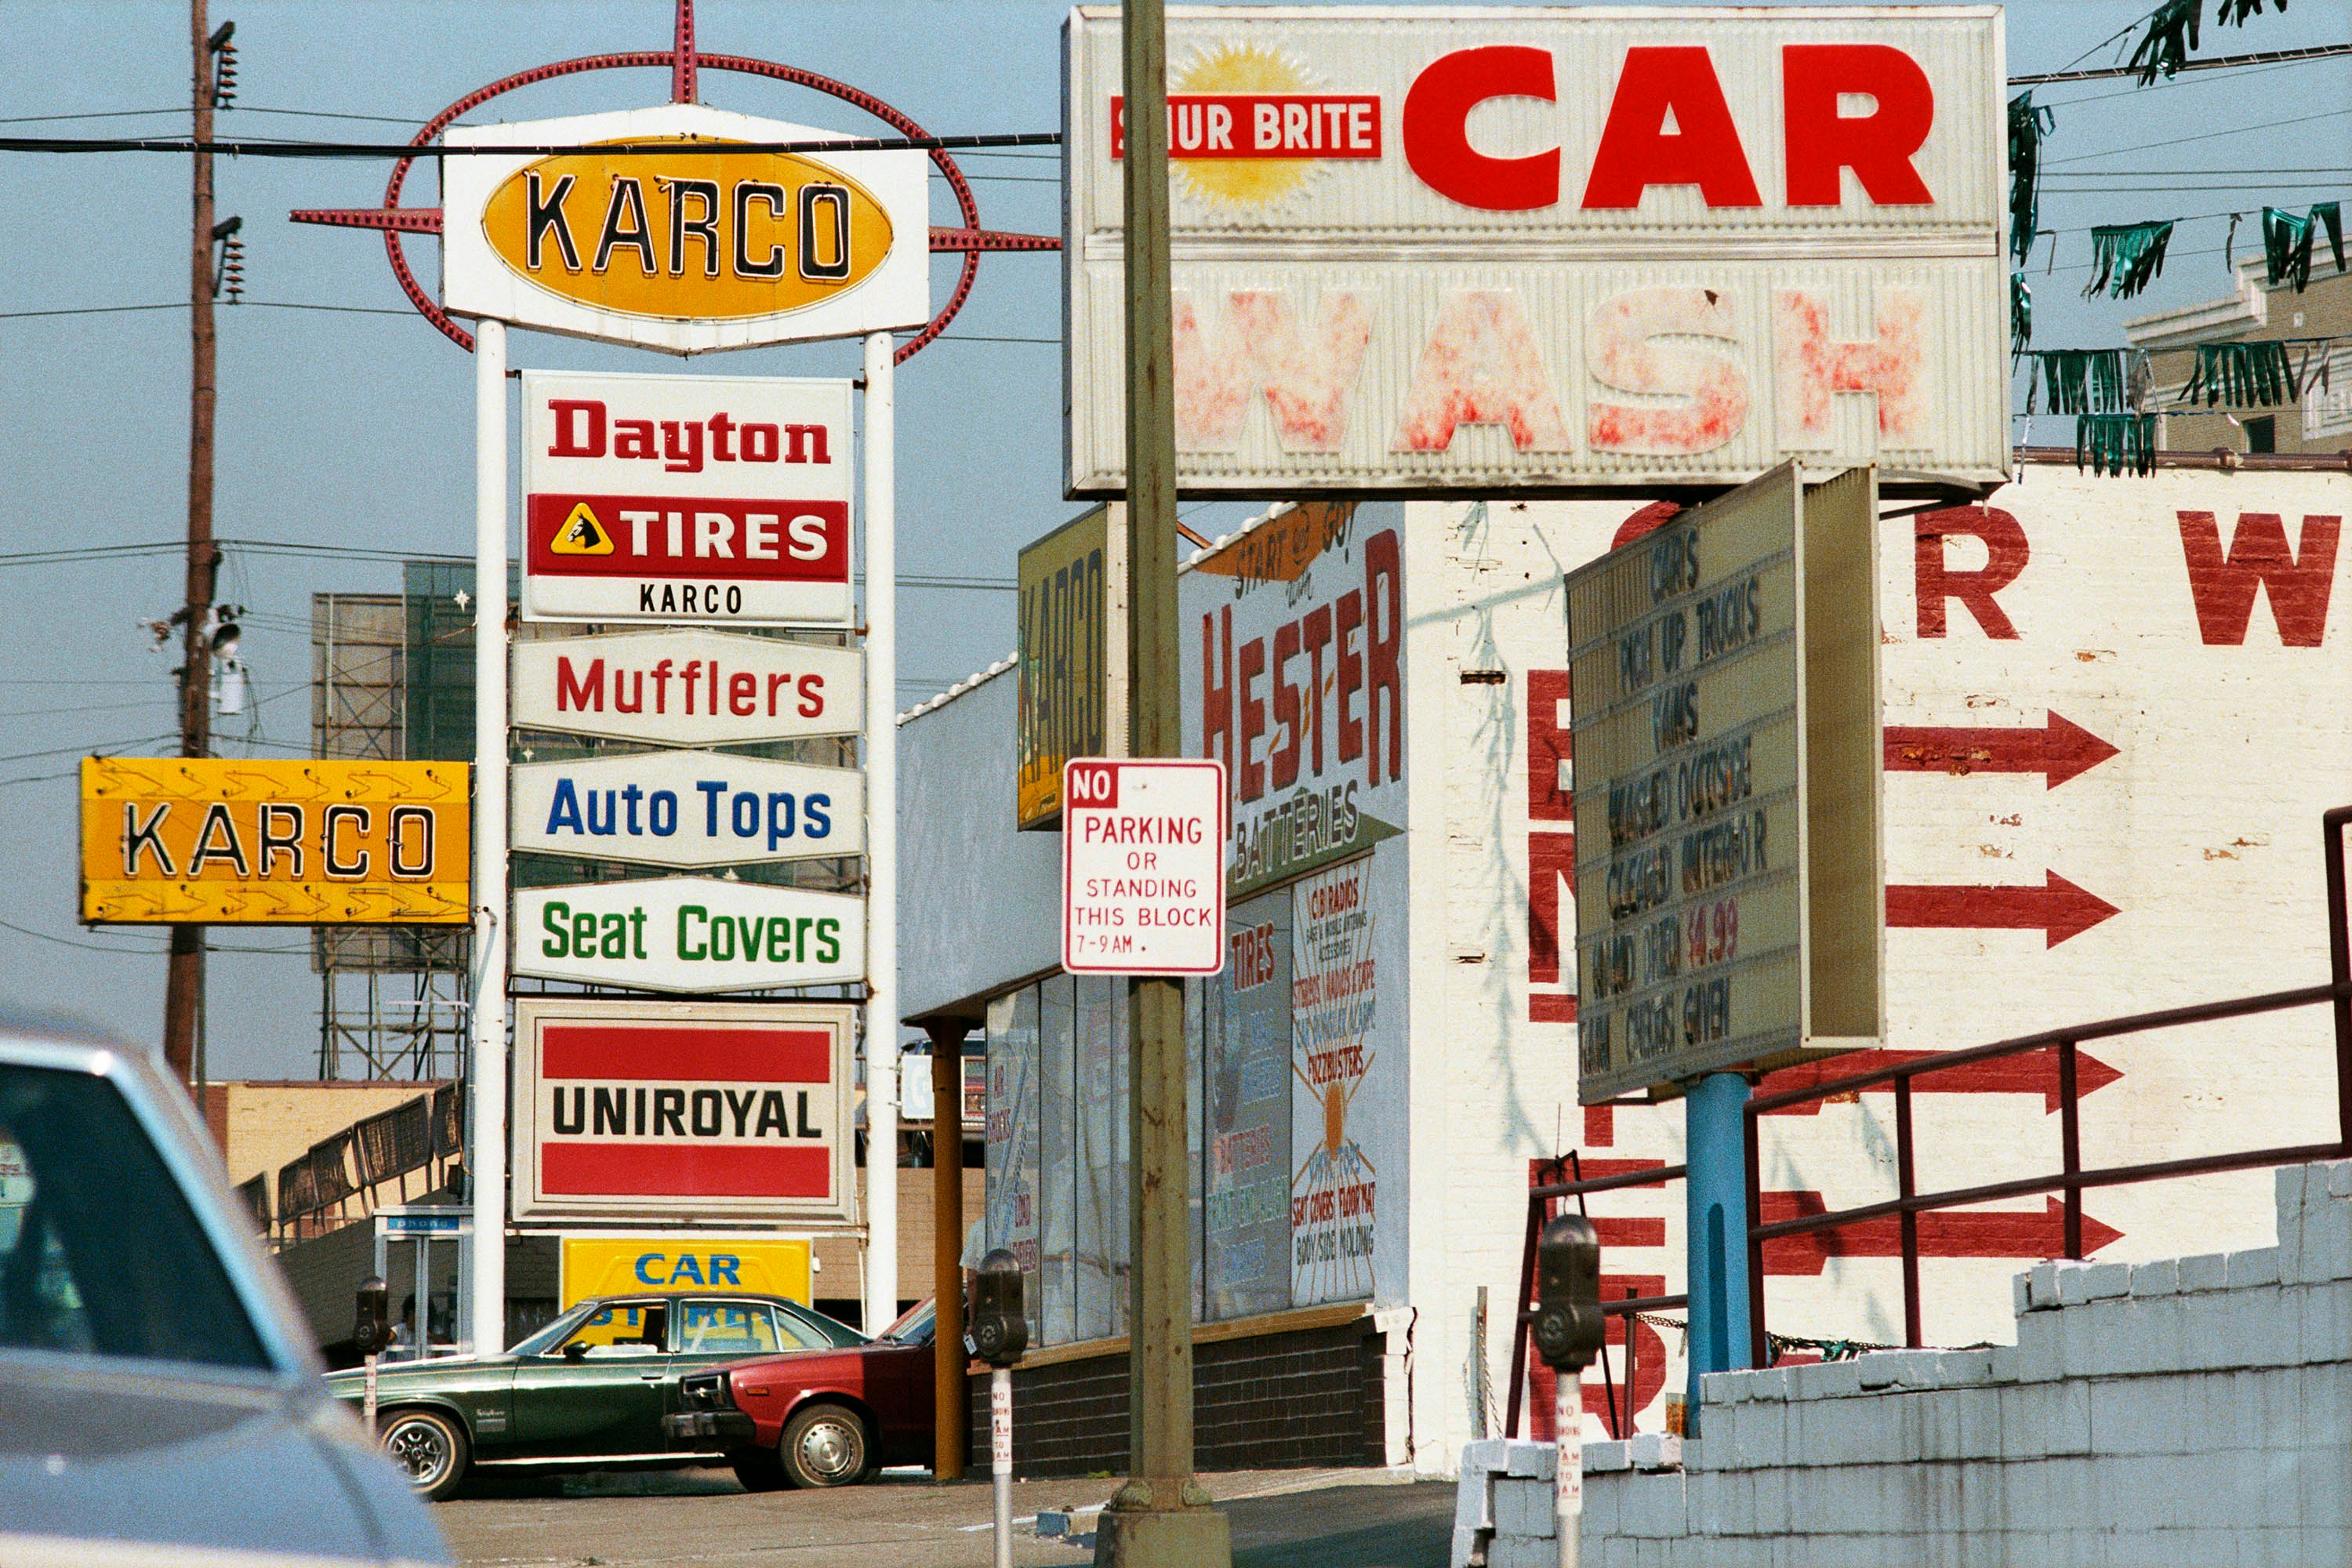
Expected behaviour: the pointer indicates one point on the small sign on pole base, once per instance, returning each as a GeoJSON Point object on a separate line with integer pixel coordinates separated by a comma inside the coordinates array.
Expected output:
{"type": "Point", "coordinates": [1000, 1440]}
{"type": "Point", "coordinates": [1143, 876]}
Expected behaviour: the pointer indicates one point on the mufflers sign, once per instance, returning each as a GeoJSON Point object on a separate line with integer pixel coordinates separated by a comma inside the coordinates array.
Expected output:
{"type": "Point", "coordinates": [689, 688]}
{"type": "Point", "coordinates": [670, 1111]}
{"type": "Point", "coordinates": [686, 499]}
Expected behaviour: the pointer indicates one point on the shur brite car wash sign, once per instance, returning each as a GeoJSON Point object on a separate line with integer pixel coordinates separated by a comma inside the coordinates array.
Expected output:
{"type": "Point", "coordinates": [1554, 247]}
{"type": "Point", "coordinates": [689, 934]}
{"type": "Point", "coordinates": [637, 239]}
{"type": "Point", "coordinates": [684, 1108]}
{"type": "Point", "coordinates": [689, 688]}
{"type": "Point", "coordinates": [674, 498]}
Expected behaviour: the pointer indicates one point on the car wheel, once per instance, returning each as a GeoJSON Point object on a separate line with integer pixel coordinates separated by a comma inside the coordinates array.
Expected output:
{"type": "Point", "coordinates": [759, 1469]}
{"type": "Point", "coordinates": [824, 1446]}
{"type": "Point", "coordinates": [429, 1447]}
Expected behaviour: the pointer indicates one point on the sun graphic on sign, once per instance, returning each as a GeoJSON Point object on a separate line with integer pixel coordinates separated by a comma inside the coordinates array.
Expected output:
{"type": "Point", "coordinates": [1256, 181]}
{"type": "Point", "coordinates": [1337, 1169]}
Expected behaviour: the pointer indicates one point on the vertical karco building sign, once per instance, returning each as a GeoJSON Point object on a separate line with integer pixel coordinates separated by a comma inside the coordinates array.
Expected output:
{"type": "Point", "coordinates": [1555, 249]}
{"type": "Point", "coordinates": [677, 498]}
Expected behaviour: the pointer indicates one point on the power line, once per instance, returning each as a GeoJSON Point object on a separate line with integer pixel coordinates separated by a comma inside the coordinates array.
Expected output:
{"type": "Point", "coordinates": [184, 145]}
{"type": "Point", "coordinates": [2202, 136]}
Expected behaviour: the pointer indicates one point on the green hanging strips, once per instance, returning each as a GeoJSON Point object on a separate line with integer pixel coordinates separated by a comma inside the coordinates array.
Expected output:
{"type": "Point", "coordinates": [2256, 375]}
{"type": "Point", "coordinates": [2171, 33]}
{"type": "Point", "coordinates": [2082, 380]}
{"type": "Point", "coordinates": [2115, 443]}
{"type": "Point", "coordinates": [2027, 126]}
{"type": "Point", "coordinates": [2125, 257]}
{"type": "Point", "coordinates": [2234, 13]}
{"type": "Point", "coordinates": [2021, 314]}
{"type": "Point", "coordinates": [2286, 248]}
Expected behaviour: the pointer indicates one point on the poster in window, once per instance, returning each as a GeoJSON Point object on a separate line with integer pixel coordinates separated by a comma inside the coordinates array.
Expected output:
{"type": "Point", "coordinates": [1012, 1139]}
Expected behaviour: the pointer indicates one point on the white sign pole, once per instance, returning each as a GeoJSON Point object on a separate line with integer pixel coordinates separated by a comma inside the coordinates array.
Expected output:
{"type": "Point", "coordinates": [485, 1151]}
{"type": "Point", "coordinates": [881, 838]}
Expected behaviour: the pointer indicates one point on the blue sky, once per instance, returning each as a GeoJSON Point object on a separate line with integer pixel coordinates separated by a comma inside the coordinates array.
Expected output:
{"type": "Point", "coordinates": [353, 428]}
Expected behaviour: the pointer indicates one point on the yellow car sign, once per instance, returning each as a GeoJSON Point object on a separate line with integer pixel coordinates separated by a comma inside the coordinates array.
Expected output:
{"type": "Point", "coordinates": [235, 841]}
{"type": "Point", "coordinates": [620, 1265]}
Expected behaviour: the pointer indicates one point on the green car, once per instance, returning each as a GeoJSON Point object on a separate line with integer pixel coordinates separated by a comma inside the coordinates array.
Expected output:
{"type": "Point", "coordinates": [591, 1387]}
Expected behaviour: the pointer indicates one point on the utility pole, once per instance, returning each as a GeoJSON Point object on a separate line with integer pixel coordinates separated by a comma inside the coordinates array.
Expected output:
{"type": "Point", "coordinates": [183, 989]}
{"type": "Point", "coordinates": [1160, 1516]}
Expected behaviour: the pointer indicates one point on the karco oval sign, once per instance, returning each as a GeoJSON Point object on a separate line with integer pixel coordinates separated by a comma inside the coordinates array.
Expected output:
{"type": "Point", "coordinates": [684, 228]}
{"type": "Point", "coordinates": [709, 235]}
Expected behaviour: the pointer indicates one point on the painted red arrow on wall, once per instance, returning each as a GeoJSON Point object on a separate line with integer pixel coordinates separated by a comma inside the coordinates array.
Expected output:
{"type": "Point", "coordinates": [1969, 1233]}
{"type": "Point", "coordinates": [2057, 908]}
{"type": "Point", "coordinates": [2058, 750]}
{"type": "Point", "coordinates": [2033, 1073]}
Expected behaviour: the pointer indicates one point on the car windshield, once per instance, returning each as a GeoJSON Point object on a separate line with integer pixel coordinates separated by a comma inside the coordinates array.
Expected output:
{"type": "Point", "coordinates": [555, 1333]}
{"type": "Point", "coordinates": [914, 1327]}
{"type": "Point", "coordinates": [100, 1251]}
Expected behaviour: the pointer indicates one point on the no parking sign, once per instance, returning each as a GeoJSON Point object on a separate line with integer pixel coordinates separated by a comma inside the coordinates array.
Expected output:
{"type": "Point", "coordinates": [1143, 885]}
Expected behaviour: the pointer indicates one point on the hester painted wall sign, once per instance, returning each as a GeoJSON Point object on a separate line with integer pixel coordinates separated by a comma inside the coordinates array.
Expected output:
{"type": "Point", "coordinates": [689, 934]}
{"type": "Point", "coordinates": [684, 250]}
{"type": "Point", "coordinates": [677, 1109]}
{"type": "Point", "coordinates": [689, 688]}
{"type": "Point", "coordinates": [235, 841]}
{"type": "Point", "coordinates": [1723, 675]}
{"type": "Point", "coordinates": [1143, 886]}
{"type": "Point", "coordinates": [685, 499]}
{"type": "Point", "coordinates": [1421, 248]}
{"type": "Point", "coordinates": [688, 808]}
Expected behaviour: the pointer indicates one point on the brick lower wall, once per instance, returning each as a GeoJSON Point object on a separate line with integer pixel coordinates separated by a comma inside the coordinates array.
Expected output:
{"type": "Point", "coordinates": [1291, 1399]}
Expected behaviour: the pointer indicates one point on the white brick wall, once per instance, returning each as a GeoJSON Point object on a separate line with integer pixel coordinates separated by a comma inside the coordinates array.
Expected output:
{"type": "Point", "coordinates": [2187, 1412]}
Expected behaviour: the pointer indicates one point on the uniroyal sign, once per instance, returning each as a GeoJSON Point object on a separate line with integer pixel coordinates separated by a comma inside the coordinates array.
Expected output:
{"type": "Point", "coordinates": [689, 688]}
{"type": "Point", "coordinates": [1555, 249]}
{"type": "Point", "coordinates": [658, 231]}
{"type": "Point", "coordinates": [679, 1110]}
{"type": "Point", "coordinates": [663, 498]}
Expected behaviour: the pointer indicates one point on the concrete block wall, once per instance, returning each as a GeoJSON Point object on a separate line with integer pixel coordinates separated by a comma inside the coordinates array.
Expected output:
{"type": "Point", "coordinates": [2197, 1410]}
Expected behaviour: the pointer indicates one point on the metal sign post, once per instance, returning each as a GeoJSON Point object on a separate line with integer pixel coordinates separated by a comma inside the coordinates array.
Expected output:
{"type": "Point", "coordinates": [486, 1149]}
{"type": "Point", "coordinates": [881, 761]}
{"type": "Point", "coordinates": [999, 1442]}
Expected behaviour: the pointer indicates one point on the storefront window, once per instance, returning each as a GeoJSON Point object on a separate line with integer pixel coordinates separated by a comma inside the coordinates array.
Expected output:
{"type": "Point", "coordinates": [1100, 1134]}
{"type": "Point", "coordinates": [1057, 1165]}
{"type": "Point", "coordinates": [1012, 1139]}
{"type": "Point", "coordinates": [1245, 1054]}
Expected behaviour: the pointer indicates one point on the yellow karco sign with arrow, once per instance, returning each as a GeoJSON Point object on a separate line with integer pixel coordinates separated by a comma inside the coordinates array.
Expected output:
{"type": "Point", "coordinates": [234, 841]}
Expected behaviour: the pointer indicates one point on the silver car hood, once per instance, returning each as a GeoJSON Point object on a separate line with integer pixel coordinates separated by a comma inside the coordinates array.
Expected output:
{"type": "Point", "coordinates": [102, 1462]}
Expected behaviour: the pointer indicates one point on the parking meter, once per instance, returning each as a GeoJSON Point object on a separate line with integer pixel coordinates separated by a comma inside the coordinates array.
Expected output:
{"type": "Point", "coordinates": [1000, 1322]}
{"type": "Point", "coordinates": [1567, 1333]}
{"type": "Point", "coordinates": [1000, 1333]}
{"type": "Point", "coordinates": [371, 1333]}
{"type": "Point", "coordinates": [1568, 1294]}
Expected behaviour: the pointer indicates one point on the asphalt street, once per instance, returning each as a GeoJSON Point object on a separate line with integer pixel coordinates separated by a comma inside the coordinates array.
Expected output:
{"type": "Point", "coordinates": [1322, 1519]}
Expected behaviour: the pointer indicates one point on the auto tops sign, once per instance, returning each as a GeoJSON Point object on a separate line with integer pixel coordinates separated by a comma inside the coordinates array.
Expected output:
{"type": "Point", "coordinates": [676, 228]}
{"type": "Point", "coordinates": [688, 808]}
{"type": "Point", "coordinates": [689, 688]}
{"type": "Point", "coordinates": [623, 1265]}
{"type": "Point", "coordinates": [686, 499]}
{"type": "Point", "coordinates": [1554, 248]}
{"type": "Point", "coordinates": [684, 1110]}
{"type": "Point", "coordinates": [242, 841]}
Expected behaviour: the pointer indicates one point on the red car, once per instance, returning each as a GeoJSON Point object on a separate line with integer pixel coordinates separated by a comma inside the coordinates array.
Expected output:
{"type": "Point", "coordinates": [815, 1418]}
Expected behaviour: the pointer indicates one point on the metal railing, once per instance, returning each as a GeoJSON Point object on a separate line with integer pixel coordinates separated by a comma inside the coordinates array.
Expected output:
{"type": "Point", "coordinates": [315, 1188]}
{"type": "Point", "coordinates": [2072, 1178]}
{"type": "Point", "coordinates": [1540, 1197]}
